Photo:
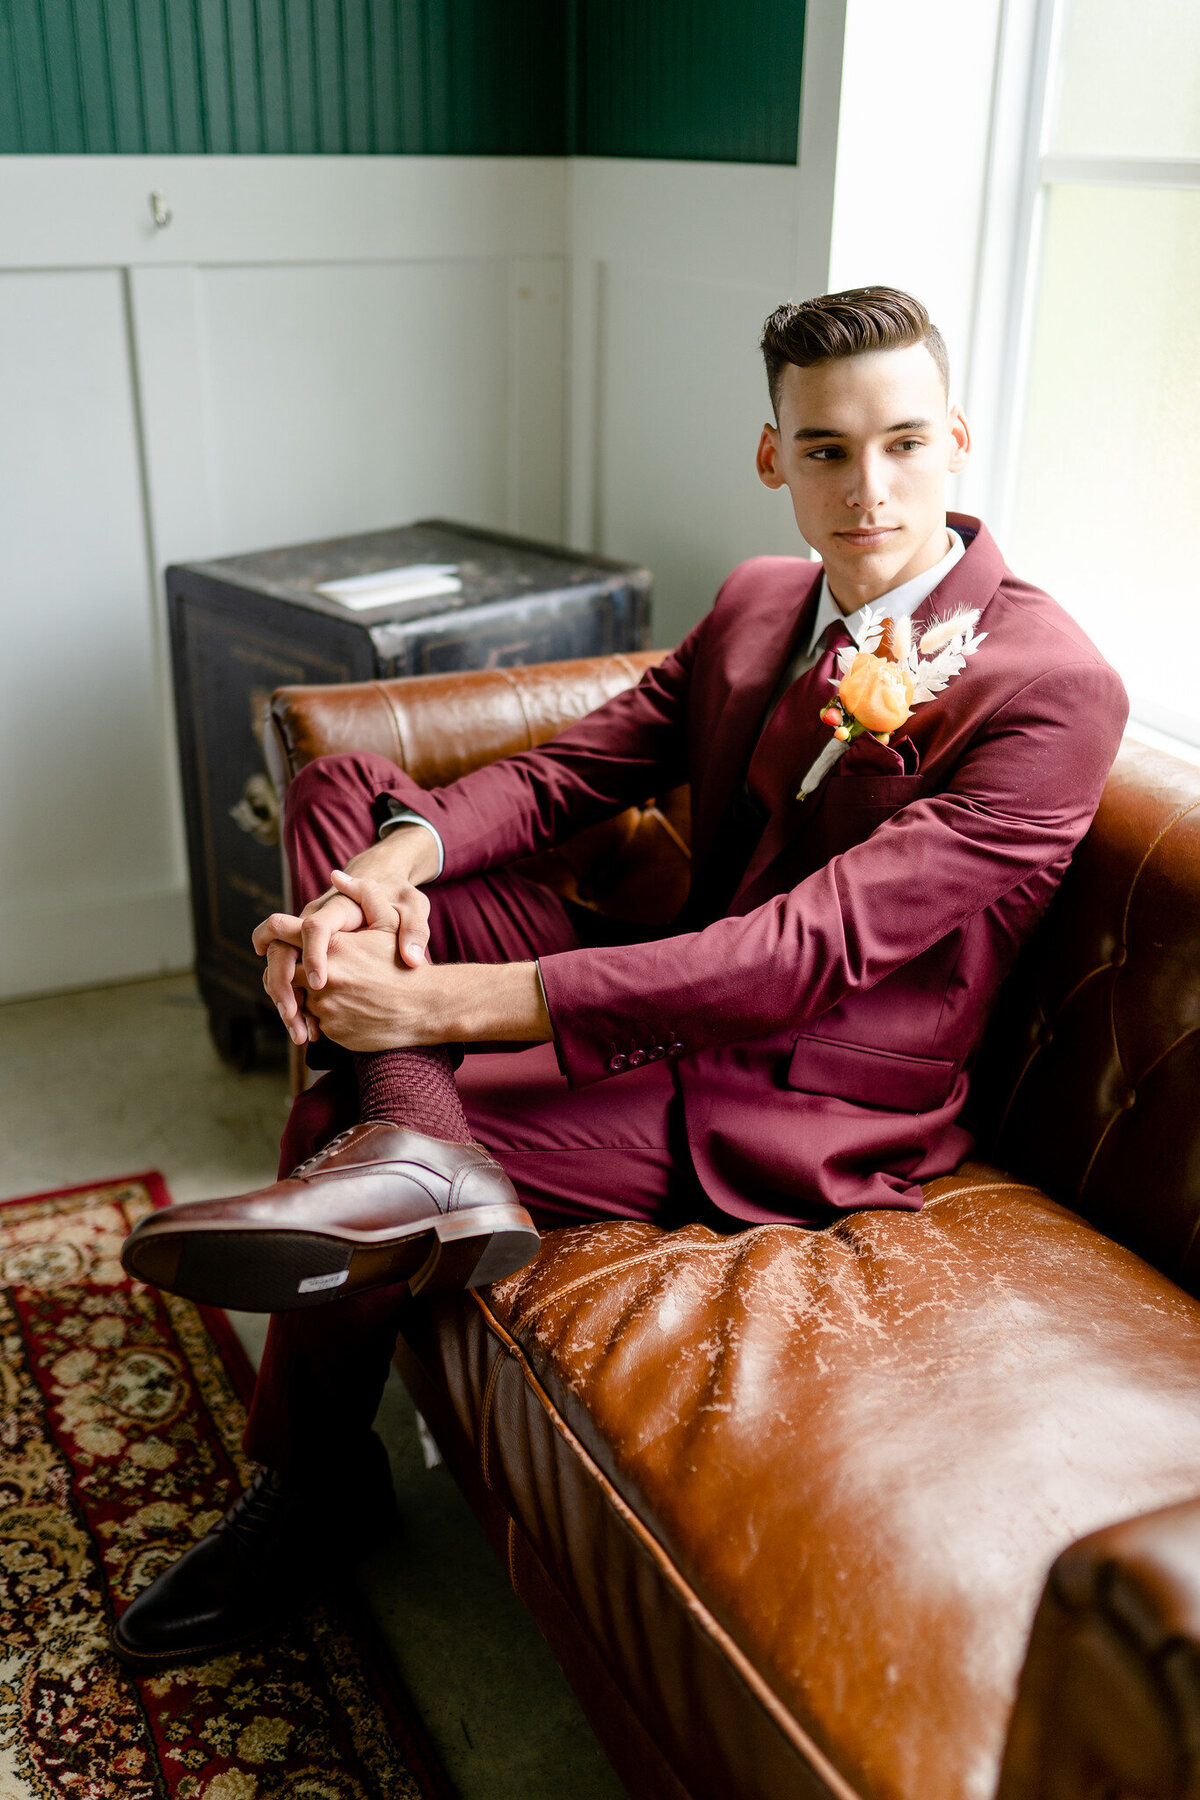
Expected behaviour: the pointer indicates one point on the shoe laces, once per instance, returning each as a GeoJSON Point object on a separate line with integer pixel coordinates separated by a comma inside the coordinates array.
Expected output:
{"type": "Point", "coordinates": [335, 1143]}
{"type": "Point", "coordinates": [260, 1511]}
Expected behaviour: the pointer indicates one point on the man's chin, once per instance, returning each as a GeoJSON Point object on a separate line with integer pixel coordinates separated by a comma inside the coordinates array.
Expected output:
{"type": "Point", "coordinates": [860, 575]}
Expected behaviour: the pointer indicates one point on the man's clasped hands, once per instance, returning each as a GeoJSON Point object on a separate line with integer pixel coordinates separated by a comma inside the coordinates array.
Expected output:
{"type": "Point", "coordinates": [352, 965]}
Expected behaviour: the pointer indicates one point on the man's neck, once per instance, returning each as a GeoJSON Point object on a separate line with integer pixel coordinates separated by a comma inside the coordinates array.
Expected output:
{"type": "Point", "coordinates": [936, 551]}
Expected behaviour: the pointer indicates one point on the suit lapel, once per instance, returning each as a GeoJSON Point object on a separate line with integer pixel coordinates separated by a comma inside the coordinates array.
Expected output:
{"type": "Point", "coordinates": [729, 718]}
{"type": "Point", "coordinates": [786, 748]}
{"type": "Point", "coordinates": [971, 583]}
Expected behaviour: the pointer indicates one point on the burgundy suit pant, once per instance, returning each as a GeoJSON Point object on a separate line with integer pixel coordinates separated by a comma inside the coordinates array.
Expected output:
{"type": "Point", "coordinates": [617, 1149]}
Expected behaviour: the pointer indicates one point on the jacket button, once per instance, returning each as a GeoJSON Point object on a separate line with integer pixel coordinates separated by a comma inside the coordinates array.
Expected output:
{"type": "Point", "coordinates": [618, 1062]}
{"type": "Point", "coordinates": [656, 1052]}
{"type": "Point", "coordinates": [636, 1058]}
{"type": "Point", "coordinates": [675, 1048]}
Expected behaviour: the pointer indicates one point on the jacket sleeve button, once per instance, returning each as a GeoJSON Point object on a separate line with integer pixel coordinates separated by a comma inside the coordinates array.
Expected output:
{"type": "Point", "coordinates": [618, 1062]}
{"type": "Point", "coordinates": [656, 1052]}
{"type": "Point", "coordinates": [636, 1058]}
{"type": "Point", "coordinates": [675, 1048]}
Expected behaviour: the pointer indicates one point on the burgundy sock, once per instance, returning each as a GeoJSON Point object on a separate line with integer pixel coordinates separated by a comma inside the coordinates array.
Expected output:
{"type": "Point", "coordinates": [414, 1088]}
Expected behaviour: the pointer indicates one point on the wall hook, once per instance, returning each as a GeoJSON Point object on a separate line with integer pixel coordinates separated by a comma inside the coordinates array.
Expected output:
{"type": "Point", "coordinates": [160, 212]}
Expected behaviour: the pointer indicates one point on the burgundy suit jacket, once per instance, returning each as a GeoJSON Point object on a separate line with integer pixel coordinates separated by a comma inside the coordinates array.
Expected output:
{"type": "Point", "coordinates": [824, 1027]}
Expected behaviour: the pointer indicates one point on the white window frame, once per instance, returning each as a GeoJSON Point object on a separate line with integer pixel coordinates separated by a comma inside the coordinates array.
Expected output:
{"type": "Point", "coordinates": [1021, 170]}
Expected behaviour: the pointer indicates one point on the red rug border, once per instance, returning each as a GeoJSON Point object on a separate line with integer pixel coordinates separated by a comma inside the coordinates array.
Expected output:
{"type": "Point", "coordinates": [216, 1321]}
{"type": "Point", "coordinates": [389, 1688]}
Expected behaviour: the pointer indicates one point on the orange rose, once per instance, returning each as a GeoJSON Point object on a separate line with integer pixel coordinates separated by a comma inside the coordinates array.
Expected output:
{"type": "Point", "coordinates": [876, 692]}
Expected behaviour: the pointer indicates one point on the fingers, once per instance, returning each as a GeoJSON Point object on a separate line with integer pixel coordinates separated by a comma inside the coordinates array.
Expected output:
{"type": "Point", "coordinates": [377, 909]}
{"type": "Point", "coordinates": [406, 913]}
{"type": "Point", "coordinates": [279, 979]}
{"type": "Point", "coordinates": [279, 928]}
{"type": "Point", "coordinates": [316, 930]}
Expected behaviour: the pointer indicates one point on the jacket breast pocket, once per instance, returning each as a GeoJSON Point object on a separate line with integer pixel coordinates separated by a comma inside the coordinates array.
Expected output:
{"type": "Point", "coordinates": [883, 793]}
{"type": "Point", "coordinates": [890, 1079]}
{"type": "Point", "coordinates": [856, 805]}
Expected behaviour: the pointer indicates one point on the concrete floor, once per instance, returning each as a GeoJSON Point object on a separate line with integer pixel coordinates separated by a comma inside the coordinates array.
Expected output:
{"type": "Point", "coordinates": [117, 1081]}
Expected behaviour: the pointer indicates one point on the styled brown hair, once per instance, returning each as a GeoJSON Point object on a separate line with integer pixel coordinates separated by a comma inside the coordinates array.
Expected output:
{"type": "Point", "coordinates": [849, 324]}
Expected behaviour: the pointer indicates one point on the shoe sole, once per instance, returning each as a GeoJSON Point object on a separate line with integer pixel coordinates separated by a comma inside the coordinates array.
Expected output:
{"type": "Point", "coordinates": [281, 1271]}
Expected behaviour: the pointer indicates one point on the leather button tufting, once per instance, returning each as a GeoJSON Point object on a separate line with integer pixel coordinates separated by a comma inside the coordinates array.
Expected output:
{"type": "Point", "coordinates": [636, 1058]}
{"type": "Point", "coordinates": [618, 1062]}
{"type": "Point", "coordinates": [1045, 1034]}
{"type": "Point", "coordinates": [1119, 955]}
{"type": "Point", "coordinates": [1125, 1098]}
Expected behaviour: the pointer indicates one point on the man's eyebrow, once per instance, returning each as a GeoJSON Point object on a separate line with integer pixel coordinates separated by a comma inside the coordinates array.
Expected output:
{"type": "Point", "coordinates": [808, 432]}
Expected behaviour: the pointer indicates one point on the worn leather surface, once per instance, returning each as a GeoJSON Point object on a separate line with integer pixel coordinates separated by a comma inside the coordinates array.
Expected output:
{"type": "Point", "coordinates": [803, 1488]}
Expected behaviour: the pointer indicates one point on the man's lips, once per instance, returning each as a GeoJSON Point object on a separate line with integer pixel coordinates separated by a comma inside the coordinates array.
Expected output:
{"type": "Point", "coordinates": [866, 539]}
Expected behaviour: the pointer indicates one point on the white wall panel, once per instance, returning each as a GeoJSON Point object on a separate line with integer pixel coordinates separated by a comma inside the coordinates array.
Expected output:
{"type": "Point", "coordinates": [313, 346]}
{"type": "Point", "coordinates": [673, 268]}
{"type": "Point", "coordinates": [682, 404]}
{"type": "Point", "coordinates": [353, 396]}
{"type": "Point", "coordinates": [85, 811]}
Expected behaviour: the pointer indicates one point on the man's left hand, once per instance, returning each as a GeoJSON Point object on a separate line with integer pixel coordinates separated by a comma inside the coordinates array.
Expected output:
{"type": "Point", "coordinates": [372, 1000]}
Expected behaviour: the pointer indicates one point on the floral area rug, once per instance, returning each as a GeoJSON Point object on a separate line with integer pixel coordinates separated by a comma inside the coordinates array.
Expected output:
{"type": "Point", "coordinates": [121, 1413]}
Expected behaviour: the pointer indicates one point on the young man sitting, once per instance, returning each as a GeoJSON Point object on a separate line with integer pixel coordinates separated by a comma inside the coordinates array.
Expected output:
{"type": "Point", "coordinates": [864, 870]}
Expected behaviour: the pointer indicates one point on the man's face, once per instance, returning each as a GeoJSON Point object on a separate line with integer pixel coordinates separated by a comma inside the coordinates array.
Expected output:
{"type": "Point", "coordinates": [863, 446]}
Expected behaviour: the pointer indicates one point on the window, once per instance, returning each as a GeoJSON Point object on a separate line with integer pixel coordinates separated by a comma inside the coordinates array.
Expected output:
{"type": "Point", "coordinates": [1100, 499]}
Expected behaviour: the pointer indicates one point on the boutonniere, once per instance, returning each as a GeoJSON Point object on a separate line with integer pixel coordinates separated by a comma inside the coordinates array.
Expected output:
{"type": "Point", "coordinates": [885, 675]}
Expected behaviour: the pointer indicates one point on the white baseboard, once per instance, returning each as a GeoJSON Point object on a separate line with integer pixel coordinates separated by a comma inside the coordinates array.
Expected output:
{"type": "Point", "coordinates": [93, 943]}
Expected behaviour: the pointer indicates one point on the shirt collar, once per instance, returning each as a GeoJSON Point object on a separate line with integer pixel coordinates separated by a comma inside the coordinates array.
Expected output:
{"type": "Point", "coordinates": [901, 602]}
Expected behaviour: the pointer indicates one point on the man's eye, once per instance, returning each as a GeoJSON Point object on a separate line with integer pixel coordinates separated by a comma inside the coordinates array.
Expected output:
{"type": "Point", "coordinates": [826, 453]}
{"type": "Point", "coordinates": [909, 444]}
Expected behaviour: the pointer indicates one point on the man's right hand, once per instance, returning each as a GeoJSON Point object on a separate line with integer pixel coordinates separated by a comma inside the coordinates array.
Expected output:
{"type": "Point", "coordinates": [298, 945]}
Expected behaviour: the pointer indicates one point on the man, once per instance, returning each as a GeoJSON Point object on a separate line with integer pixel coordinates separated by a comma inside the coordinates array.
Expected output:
{"type": "Point", "coordinates": [799, 1044]}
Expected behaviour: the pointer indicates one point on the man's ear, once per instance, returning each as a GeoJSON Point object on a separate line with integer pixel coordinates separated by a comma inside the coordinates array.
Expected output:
{"type": "Point", "coordinates": [960, 441]}
{"type": "Point", "coordinates": [767, 459]}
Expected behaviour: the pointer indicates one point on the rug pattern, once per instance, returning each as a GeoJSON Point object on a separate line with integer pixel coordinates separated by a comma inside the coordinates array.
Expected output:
{"type": "Point", "coordinates": [121, 1413]}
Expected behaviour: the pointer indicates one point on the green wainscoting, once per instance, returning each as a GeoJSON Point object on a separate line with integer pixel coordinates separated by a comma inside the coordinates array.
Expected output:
{"type": "Point", "coordinates": [255, 77]}
{"type": "Point", "coordinates": [714, 80]}
{"type": "Point", "coordinates": [709, 80]}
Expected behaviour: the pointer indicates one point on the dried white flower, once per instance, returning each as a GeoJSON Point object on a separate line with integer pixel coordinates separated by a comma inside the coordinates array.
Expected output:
{"type": "Point", "coordinates": [942, 631]}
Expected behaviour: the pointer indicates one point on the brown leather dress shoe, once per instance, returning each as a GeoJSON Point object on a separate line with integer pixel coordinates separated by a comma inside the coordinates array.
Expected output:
{"type": "Point", "coordinates": [377, 1206]}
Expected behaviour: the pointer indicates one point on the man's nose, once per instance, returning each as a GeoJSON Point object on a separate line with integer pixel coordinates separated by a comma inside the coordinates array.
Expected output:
{"type": "Point", "coordinates": [867, 487]}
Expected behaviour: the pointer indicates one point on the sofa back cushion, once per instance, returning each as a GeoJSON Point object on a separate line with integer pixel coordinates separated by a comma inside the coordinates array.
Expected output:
{"type": "Point", "coordinates": [1091, 1073]}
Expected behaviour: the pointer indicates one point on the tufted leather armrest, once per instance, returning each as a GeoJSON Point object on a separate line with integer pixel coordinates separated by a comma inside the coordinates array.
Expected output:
{"type": "Point", "coordinates": [1109, 1701]}
{"type": "Point", "coordinates": [1093, 1061]}
{"type": "Point", "coordinates": [438, 727]}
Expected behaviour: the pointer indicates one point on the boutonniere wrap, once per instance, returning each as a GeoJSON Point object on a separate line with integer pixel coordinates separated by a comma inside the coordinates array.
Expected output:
{"type": "Point", "coordinates": [884, 676]}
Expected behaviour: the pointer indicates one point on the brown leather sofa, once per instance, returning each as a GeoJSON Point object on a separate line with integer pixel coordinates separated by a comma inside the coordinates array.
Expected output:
{"type": "Point", "coordinates": [907, 1508]}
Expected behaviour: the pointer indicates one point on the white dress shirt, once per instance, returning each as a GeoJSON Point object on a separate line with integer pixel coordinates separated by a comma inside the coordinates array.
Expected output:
{"type": "Point", "coordinates": [900, 603]}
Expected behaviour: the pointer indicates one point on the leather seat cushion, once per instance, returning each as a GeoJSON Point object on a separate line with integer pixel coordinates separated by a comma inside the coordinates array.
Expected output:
{"type": "Point", "coordinates": [848, 1456]}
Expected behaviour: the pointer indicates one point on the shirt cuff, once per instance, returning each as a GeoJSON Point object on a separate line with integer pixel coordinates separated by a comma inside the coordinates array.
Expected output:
{"type": "Point", "coordinates": [401, 815]}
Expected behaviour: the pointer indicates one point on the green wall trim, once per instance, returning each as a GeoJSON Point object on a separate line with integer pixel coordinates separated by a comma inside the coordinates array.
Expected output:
{"type": "Point", "coordinates": [712, 80]}
{"type": "Point", "coordinates": [264, 77]}
{"type": "Point", "coordinates": [706, 80]}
